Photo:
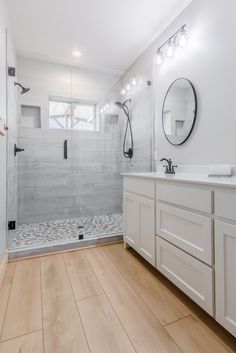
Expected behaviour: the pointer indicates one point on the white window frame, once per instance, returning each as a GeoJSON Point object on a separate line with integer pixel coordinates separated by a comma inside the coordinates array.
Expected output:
{"type": "Point", "coordinates": [74, 102]}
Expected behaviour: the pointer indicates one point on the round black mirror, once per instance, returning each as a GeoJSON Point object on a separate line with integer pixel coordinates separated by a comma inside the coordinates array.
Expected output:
{"type": "Point", "coordinates": [179, 111]}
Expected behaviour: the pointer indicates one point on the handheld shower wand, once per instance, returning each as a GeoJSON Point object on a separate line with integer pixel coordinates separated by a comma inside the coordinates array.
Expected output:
{"type": "Point", "coordinates": [123, 106]}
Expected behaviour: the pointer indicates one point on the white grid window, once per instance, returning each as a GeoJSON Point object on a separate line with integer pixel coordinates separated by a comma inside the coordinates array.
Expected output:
{"type": "Point", "coordinates": [72, 115]}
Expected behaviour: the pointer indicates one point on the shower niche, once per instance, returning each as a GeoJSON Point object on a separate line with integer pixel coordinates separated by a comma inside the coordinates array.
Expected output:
{"type": "Point", "coordinates": [30, 117]}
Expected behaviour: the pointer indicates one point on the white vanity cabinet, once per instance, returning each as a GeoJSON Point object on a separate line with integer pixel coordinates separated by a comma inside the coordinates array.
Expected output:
{"type": "Point", "coordinates": [186, 228]}
{"type": "Point", "coordinates": [139, 217]}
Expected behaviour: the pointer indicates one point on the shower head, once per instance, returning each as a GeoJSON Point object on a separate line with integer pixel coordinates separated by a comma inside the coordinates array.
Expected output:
{"type": "Point", "coordinates": [121, 105]}
{"type": "Point", "coordinates": [124, 107]}
{"type": "Point", "coordinates": [23, 89]}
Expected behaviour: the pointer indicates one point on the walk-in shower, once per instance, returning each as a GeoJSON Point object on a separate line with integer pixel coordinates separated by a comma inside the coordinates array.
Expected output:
{"type": "Point", "coordinates": [74, 199]}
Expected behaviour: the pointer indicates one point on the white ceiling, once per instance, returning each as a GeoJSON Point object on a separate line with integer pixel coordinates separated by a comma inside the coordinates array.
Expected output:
{"type": "Point", "coordinates": [110, 34]}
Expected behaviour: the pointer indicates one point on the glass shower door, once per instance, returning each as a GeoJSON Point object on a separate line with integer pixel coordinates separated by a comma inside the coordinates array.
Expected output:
{"type": "Point", "coordinates": [96, 182]}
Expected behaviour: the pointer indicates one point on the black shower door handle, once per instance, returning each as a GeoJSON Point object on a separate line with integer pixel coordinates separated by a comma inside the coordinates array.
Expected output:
{"type": "Point", "coordinates": [65, 150]}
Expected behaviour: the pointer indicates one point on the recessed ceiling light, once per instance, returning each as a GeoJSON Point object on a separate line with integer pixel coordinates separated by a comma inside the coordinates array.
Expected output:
{"type": "Point", "coordinates": [76, 53]}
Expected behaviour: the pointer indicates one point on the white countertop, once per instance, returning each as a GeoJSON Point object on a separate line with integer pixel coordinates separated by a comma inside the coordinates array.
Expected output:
{"type": "Point", "coordinates": [188, 178]}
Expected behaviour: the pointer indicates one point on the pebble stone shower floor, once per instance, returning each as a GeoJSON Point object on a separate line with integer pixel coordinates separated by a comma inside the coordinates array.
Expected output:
{"type": "Point", "coordinates": [67, 230]}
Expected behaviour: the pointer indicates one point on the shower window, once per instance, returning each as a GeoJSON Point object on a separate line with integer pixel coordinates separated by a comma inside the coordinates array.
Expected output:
{"type": "Point", "coordinates": [72, 115]}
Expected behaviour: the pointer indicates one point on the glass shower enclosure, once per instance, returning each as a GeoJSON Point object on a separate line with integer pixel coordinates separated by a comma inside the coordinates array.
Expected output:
{"type": "Point", "coordinates": [68, 177]}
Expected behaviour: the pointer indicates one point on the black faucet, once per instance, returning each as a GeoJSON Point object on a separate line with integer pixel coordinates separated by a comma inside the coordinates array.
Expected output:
{"type": "Point", "coordinates": [169, 167]}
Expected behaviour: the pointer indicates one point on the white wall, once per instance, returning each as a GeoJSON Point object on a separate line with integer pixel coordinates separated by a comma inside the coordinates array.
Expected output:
{"type": "Point", "coordinates": [209, 62]}
{"type": "Point", "coordinates": [50, 79]}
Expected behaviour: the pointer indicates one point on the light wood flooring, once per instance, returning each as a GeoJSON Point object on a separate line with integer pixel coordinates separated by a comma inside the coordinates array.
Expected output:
{"type": "Point", "coordinates": [101, 300]}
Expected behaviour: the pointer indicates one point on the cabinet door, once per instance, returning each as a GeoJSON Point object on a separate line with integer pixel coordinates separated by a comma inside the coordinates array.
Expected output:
{"type": "Point", "coordinates": [130, 219]}
{"type": "Point", "coordinates": [225, 266]}
{"type": "Point", "coordinates": [192, 276]}
{"type": "Point", "coordinates": [146, 229]}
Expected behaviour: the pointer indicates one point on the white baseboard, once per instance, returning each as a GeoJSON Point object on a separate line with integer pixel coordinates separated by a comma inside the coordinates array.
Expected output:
{"type": "Point", "coordinates": [3, 266]}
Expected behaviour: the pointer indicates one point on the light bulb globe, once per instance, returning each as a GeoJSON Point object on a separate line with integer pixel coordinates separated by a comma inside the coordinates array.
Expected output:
{"type": "Point", "coordinates": [159, 58]}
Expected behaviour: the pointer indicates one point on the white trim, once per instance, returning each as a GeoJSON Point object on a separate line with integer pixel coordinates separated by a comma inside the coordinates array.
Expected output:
{"type": "Point", "coordinates": [3, 266]}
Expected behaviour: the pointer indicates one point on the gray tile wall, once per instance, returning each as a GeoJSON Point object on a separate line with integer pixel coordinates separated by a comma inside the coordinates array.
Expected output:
{"type": "Point", "coordinates": [88, 183]}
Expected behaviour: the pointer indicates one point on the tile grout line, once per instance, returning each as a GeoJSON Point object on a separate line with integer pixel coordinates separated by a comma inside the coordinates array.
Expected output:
{"type": "Point", "coordinates": [200, 323]}
{"type": "Point", "coordinates": [161, 285]}
{"type": "Point", "coordinates": [164, 326]}
{"type": "Point", "coordinates": [175, 321]}
{"type": "Point", "coordinates": [16, 337]}
{"type": "Point", "coordinates": [41, 288]}
{"type": "Point", "coordinates": [181, 350]}
{"type": "Point", "coordinates": [145, 304]}
{"type": "Point", "coordinates": [68, 276]}
{"type": "Point", "coordinates": [5, 314]}
{"type": "Point", "coordinates": [91, 296]}
{"type": "Point", "coordinates": [111, 305]}
{"type": "Point", "coordinates": [211, 332]}
{"type": "Point", "coordinates": [134, 290]}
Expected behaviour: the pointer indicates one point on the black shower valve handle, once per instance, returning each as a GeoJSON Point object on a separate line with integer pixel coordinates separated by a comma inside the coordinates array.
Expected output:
{"type": "Point", "coordinates": [17, 149]}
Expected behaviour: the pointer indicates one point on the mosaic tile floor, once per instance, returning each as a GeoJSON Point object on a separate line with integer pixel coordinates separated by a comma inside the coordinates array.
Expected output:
{"type": "Point", "coordinates": [67, 230]}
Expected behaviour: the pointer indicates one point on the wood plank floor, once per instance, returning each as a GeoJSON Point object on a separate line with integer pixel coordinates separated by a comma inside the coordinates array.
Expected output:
{"type": "Point", "coordinates": [101, 300]}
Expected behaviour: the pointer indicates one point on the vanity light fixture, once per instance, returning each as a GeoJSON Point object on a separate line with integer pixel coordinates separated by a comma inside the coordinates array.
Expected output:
{"type": "Point", "coordinates": [128, 87]}
{"type": "Point", "coordinates": [159, 57]}
{"type": "Point", "coordinates": [104, 108]}
{"type": "Point", "coordinates": [178, 39]}
{"type": "Point", "coordinates": [182, 39]}
{"type": "Point", "coordinates": [170, 48]}
{"type": "Point", "coordinates": [76, 54]}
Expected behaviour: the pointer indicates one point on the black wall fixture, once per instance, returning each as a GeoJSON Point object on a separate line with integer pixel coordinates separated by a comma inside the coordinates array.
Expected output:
{"type": "Point", "coordinates": [17, 149]}
{"type": "Point", "coordinates": [11, 71]}
{"type": "Point", "coordinates": [65, 150]}
{"type": "Point", "coordinates": [11, 225]}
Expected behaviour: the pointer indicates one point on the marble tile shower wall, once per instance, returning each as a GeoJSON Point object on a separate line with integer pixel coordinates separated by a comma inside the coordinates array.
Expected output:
{"type": "Point", "coordinates": [86, 184]}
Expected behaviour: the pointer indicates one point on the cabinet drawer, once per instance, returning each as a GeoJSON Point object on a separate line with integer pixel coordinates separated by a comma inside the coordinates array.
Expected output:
{"type": "Point", "coordinates": [140, 186]}
{"type": "Point", "coordinates": [192, 276]}
{"type": "Point", "coordinates": [187, 230]}
{"type": "Point", "coordinates": [189, 197]}
{"type": "Point", "coordinates": [225, 204]}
